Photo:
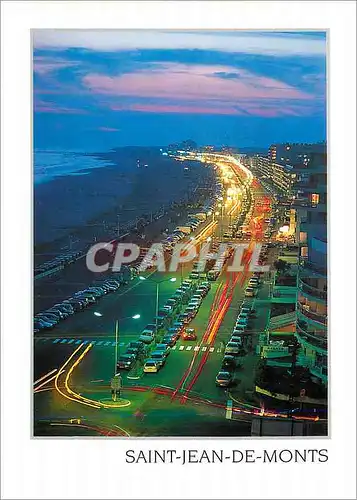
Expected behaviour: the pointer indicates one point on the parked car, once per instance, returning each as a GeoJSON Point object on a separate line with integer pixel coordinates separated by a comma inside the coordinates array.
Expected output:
{"type": "Point", "coordinates": [241, 322]}
{"type": "Point", "coordinates": [41, 324]}
{"type": "Point", "coordinates": [238, 330]}
{"type": "Point", "coordinates": [133, 351]}
{"type": "Point", "coordinates": [232, 348]}
{"type": "Point", "coordinates": [229, 363]}
{"type": "Point", "coordinates": [185, 317]}
{"type": "Point", "coordinates": [237, 339]}
{"type": "Point", "coordinates": [224, 379]}
{"type": "Point", "coordinates": [136, 344]}
{"type": "Point", "coordinates": [159, 357]}
{"type": "Point", "coordinates": [250, 292]}
{"type": "Point", "coordinates": [90, 298]}
{"type": "Point", "coordinates": [55, 313]}
{"type": "Point", "coordinates": [191, 311]}
{"type": "Point", "coordinates": [174, 332]}
{"type": "Point", "coordinates": [194, 303]}
{"type": "Point", "coordinates": [151, 366]}
{"type": "Point", "coordinates": [202, 291]}
{"type": "Point", "coordinates": [125, 362]}
{"type": "Point", "coordinates": [169, 340]}
{"type": "Point", "coordinates": [179, 325]}
{"type": "Point", "coordinates": [53, 320]}
{"type": "Point", "coordinates": [164, 348]}
{"type": "Point", "coordinates": [253, 282]}
{"type": "Point", "coordinates": [244, 315]}
{"type": "Point", "coordinates": [66, 306]}
{"type": "Point", "coordinates": [146, 338]}
{"type": "Point", "coordinates": [77, 305]}
{"type": "Point", "coordinates": [149, 329]}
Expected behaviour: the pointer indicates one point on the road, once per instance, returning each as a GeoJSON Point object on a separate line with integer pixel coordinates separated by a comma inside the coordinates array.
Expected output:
{"type": "Point", "coordinates": [73, 364]}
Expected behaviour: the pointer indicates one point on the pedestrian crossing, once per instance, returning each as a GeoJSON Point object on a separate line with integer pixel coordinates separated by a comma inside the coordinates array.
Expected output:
{"type": "Point", "coordinates": [196, 348]}
{"type": "Point", "coordinates": [103, 343]}
{"type": "Point", "coordinates": [110, 343]}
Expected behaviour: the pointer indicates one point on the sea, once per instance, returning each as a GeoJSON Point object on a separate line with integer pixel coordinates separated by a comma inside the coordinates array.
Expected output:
{"type": "Point", "coordinates": [83, 196]}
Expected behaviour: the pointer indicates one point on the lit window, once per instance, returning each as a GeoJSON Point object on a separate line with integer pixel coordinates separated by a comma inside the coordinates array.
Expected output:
{"type": "Point", "coordinates": [315, 198]}
{"type": "Point", "coordinates": [304, 252]}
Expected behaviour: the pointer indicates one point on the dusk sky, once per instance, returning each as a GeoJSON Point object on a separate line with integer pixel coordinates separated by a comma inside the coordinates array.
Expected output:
{"type": "Point", "coordinates": [101, 89]}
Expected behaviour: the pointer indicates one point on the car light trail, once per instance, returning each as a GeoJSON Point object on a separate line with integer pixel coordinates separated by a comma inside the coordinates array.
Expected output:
{"type": "Point", "coordinates": [45, 376]}
{"type": "Point", "coordinates": [72, 395]}
{"type": "Point", "coordinates": [195, 353]}
{"type": "Point", "coordinates": [63, 369]}
{"type": "Point", "coordinates": [38, 387]}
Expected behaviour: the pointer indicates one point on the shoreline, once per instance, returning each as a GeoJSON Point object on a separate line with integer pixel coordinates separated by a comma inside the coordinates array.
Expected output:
{"type": "Point", "coordinates": [54, 288]}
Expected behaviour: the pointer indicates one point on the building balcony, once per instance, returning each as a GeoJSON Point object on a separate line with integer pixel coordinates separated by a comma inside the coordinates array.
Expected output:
{"type": "Point", "coordinates": [311, 343]}
{"type": "Point", "coordinates": [312, 291]}
{"type": "Point", "coordinates": [314, 337]}
{"type": "Point", "coordinates": [318, 318]}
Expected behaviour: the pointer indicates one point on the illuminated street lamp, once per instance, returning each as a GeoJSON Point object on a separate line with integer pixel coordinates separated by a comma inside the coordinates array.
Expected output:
{"type": "Point", "coordinates": [157, 283]}
{"type": "Point", "coordinates": [135, 316]}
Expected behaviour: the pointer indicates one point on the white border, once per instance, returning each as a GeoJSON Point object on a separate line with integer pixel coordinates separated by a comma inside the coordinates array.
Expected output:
{"type": "Point", "coordinates": [96, 469]}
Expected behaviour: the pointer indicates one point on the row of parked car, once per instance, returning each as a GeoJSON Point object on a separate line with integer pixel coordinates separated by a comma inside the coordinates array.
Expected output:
{"type": "Point", "coordinates": [174, 320]}
{"type": "Point", "coordinates": [234, 347]}
{"type": "Point", "coordinates": [242, 222]}
{"type": "Point", "coordinates": [179, 329]}
{"type": "Point", "coordinates": [60, 260]}
{"type": "Point", "coordinates": [193, 221]}
{"type": "Point", "coordinates": [179, 234]}
{"type": "Point", "coordinates": [77, 302]}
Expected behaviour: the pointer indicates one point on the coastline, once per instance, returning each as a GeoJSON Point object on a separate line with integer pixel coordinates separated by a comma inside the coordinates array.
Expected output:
{"type": "Point", "coordinates": [155, 212]}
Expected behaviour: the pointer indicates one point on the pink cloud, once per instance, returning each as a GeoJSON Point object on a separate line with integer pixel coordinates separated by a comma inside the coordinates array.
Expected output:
{"type": "Point", "coordinates": [108, 129]}
{"type": "Point", "coordinates": [192, 82]}
{"type": "Point", "coordinates": [178, 108]}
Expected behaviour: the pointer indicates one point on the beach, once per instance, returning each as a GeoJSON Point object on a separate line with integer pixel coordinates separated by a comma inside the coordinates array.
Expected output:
{"type": "Point", "coordinates": [123, 188]}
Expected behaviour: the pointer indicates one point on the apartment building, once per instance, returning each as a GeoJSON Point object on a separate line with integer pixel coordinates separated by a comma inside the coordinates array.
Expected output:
{"type": "Point", "coordinates": [311, 234]}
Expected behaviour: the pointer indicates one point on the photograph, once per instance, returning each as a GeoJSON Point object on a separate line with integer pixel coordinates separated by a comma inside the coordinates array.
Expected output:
{"type": "Point", "coordinates": [179, 233]}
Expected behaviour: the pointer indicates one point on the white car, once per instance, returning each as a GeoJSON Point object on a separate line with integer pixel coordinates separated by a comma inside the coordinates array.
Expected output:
{"type": "Point", "coordinates": [151, 366]}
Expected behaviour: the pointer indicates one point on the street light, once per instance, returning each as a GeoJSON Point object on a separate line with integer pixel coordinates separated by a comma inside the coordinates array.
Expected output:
{"type": "Point", "coordinates": [135, 316]}
{"type": "Point", "coordinates": [157, 283]}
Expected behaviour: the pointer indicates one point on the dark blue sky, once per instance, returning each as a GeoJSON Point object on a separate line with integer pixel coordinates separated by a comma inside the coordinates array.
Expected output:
{"type": "Point", "coordinates": [99, 89]}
